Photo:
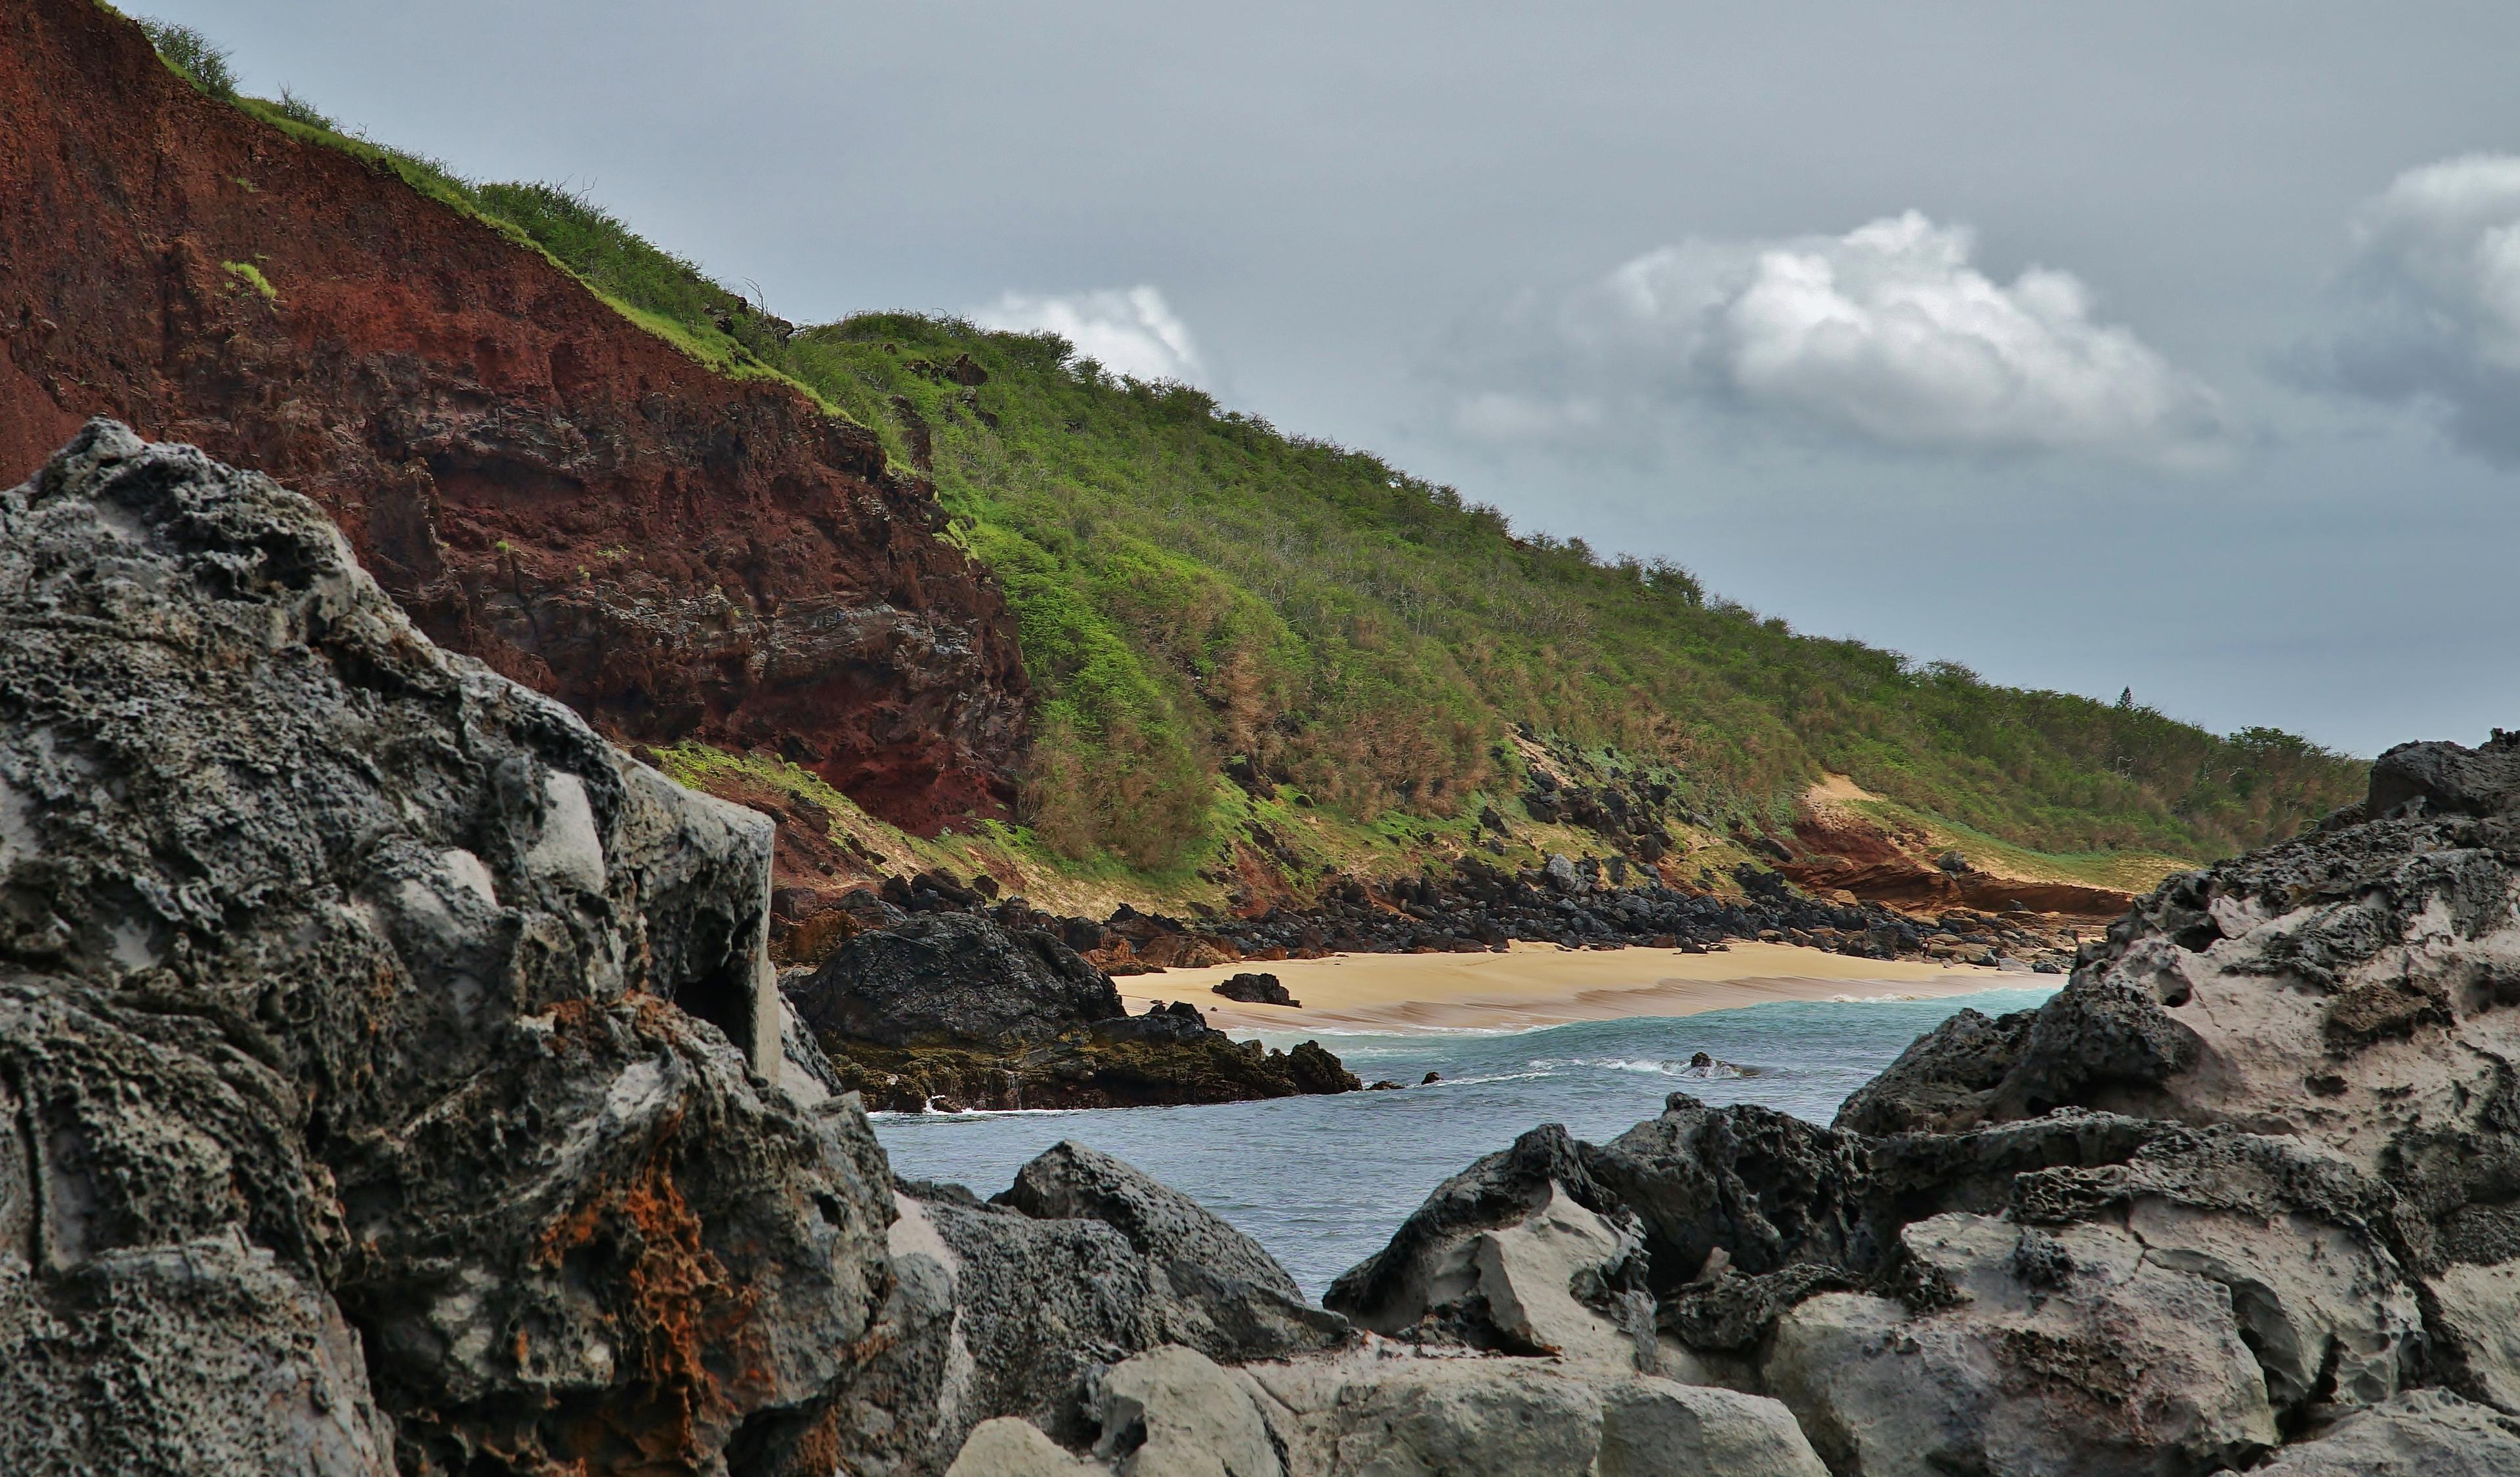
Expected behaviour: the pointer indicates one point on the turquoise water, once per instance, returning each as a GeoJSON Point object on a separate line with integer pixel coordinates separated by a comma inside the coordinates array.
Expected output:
{"type": "Point", "coordinates": [1322, 1182]}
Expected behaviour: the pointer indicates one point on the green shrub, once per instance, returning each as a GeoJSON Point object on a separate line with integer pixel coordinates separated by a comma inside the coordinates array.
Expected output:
{"type": "Point", "coordinates": [297, 110]}
{"type": "Point", "coordinates": [190, 53]}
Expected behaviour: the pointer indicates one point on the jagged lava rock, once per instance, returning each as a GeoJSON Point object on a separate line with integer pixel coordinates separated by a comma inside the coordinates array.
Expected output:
{"type": "Point", "coordinates": [1069, 1181]}
{"type": "Point", "coordinates": [363, 1113]}
{"type": "Point", "coordinates": [998, 1314]}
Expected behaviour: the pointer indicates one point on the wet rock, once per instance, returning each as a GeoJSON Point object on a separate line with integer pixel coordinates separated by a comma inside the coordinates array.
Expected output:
{"type": "Point", "coordinates": [384, 1053]}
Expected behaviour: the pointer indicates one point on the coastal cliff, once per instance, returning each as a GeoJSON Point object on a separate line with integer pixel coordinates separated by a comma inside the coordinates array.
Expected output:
{"type": "Point", "coordinates": [676, 551]}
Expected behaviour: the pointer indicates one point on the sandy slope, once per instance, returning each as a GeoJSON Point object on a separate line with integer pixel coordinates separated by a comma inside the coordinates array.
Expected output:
{"type": "Point", "coordinates": [1541, 984]}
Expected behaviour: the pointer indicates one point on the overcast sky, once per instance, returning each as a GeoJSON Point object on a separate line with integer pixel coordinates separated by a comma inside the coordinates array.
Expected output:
{"type": "Point", "coordinates": [2165, 346]}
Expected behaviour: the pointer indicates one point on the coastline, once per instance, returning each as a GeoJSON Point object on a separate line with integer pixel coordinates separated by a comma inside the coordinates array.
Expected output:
{"type": "Point", "coordinates": [1543, 985]}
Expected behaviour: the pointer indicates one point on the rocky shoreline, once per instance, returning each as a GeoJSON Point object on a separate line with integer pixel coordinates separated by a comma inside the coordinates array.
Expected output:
{"type": "Point", "coordinates": [397, 1080]}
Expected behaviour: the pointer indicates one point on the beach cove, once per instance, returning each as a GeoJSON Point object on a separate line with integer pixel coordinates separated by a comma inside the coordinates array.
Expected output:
{"type": "Point", "coordinates": [1536, 984]}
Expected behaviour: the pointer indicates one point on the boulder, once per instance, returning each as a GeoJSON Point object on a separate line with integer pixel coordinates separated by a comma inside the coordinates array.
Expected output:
{"type": "Point", "coordinates": [1461, 1417]}
{"type": "Point", "coordinates": [384, 1053]}
{"type": "Point", "coordinates": [955, 979]}
{"type": "Point", "coordinates": [997, 1312]}
{"type": "Point", "coordinates": [1070, 1182]}
{"type": "Point", "coordinates": [1009, 1448]}
{"type": "Point", "coordinates": [1523, 1252]}
{"type": "Point", "coordinates": [1656, 1428]}
{"type": "Point", "coordinates": [1380, 1411]}
{"type": "Point", "coordinates": [1172, 1412]}
{"type": "Point", "coordinates": [2054, 1353]}
{"type": "Point", "coordinates": [1256, 990]}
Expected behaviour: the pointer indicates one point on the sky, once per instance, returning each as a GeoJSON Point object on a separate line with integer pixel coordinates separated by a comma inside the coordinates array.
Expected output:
{"type": "Point", "coordinates": [2164, 347]}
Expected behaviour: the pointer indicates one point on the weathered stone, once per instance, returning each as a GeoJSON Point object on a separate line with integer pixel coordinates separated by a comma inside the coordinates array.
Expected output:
{"type": "Point", "coordinates": [1656, 1428]}
{"type": "Point", "coordinates": [1422, 1417]}
{"type": "Point", "coordinates": [1009, 1448]}
{"type": "Point", "coordinates": [386, 1043]}
{"type": "Point", "coordinates": [1070, 1182]}
{"type": "Point", "coordinates": [1428, 1274]}
{"type": "Point", "coordinates": [2055, 1354]}
{"type": "Point", "coordinates": [1172, 1412]}
{"type": "Point", "coordinates": [2421, 1433]}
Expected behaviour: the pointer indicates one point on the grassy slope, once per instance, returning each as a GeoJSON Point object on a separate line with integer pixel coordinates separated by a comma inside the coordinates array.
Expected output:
{"type": "Point", "coordinates": [1195, 586]}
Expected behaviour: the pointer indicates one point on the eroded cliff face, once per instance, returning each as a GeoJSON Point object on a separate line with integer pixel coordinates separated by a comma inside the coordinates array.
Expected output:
{"type": "Point", "coordinates": [540, 482]}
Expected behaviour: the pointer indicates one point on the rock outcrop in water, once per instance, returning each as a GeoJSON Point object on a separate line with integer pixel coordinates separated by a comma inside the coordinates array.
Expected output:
{"type": "Point", "coordinates": [383, 1055]}
{"type": "Point", "coordinates": [958, 1011]}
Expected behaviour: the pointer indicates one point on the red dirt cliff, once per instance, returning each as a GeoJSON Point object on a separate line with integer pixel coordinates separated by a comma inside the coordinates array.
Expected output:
{"type": "Point", "coordinates": [539, 482]}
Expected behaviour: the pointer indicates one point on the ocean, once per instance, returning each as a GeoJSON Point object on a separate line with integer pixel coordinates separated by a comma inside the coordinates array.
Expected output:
{"type": "Point", "coordinates": [1322, 1182]}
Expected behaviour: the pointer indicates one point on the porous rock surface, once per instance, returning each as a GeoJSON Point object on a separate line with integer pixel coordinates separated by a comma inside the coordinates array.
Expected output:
{"type": "Point", "coordinates": [1069, 1181]}
{"type": "Point", "coordinates": [1019, 1309]}
{"type": "Point", "coordinates": [363, 1108]}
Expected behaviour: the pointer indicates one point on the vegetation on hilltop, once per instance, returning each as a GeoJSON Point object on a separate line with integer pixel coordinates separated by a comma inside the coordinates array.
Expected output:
{"type": "Point", "coordinates": [1197, 589]}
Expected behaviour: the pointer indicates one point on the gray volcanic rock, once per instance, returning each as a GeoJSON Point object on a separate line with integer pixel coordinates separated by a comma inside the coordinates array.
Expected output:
{"type": "Point", "coordinates": [998, 1314]}
{"type": "Point", "coordinates": [1523, 1252]}
{"type": "Point", "coordinates": [2422, 1433]}
{"type": "Point", "coordinates": [1069, 1181]}
{"type": "Point", "coordinates": [350, 1121]}
{"type": "Point", "coordinates": [950, 978]}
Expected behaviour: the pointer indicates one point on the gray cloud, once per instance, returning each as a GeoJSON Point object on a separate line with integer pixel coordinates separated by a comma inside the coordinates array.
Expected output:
{"type": "Point", "coordinates": [2432, 294]}
{"type": "Point", "coordinates": [1889, 335]}
{"type": "Point", "coordinates": [1129, 331]}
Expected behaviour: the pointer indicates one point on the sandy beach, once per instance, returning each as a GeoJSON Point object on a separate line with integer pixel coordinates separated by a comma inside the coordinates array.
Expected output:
{"type": "Point", "coordinates": [1541, 984]}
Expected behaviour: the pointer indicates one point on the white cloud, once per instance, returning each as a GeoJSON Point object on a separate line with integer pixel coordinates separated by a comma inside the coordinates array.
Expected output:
{"type": "Point", "coordinates": [2433, 296]}
{"type": "Point", "coordinates": [1129, 331]}
{"type": "Point", "coordinates": [1888, 333]}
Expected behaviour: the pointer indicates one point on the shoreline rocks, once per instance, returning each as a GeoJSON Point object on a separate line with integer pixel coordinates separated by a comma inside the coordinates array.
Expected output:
{"type": "Point", "coordinates": [957, 1012]}
{"type": "Point", "coordinates": [393, 1080]}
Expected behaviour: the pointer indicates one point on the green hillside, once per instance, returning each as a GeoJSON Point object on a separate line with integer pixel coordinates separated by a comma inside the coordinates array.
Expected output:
{"type": "Point", "coordinates": [1196, 588]}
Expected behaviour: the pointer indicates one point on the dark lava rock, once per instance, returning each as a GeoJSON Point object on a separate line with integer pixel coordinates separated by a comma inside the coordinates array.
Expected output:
{"type": "Point", "coordinates": [2449, 779]}
{"type": "Point", "coordinates": [955, 979]}
{"type": "Point", "coordinates": [1256, 990]}
{"type": "Point", "coordinates": [369, 1104]}
{"type": "Point", "coordinates": [1070, 1182]}
{"type": "Point", "coordinates": [1001, 1311]}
